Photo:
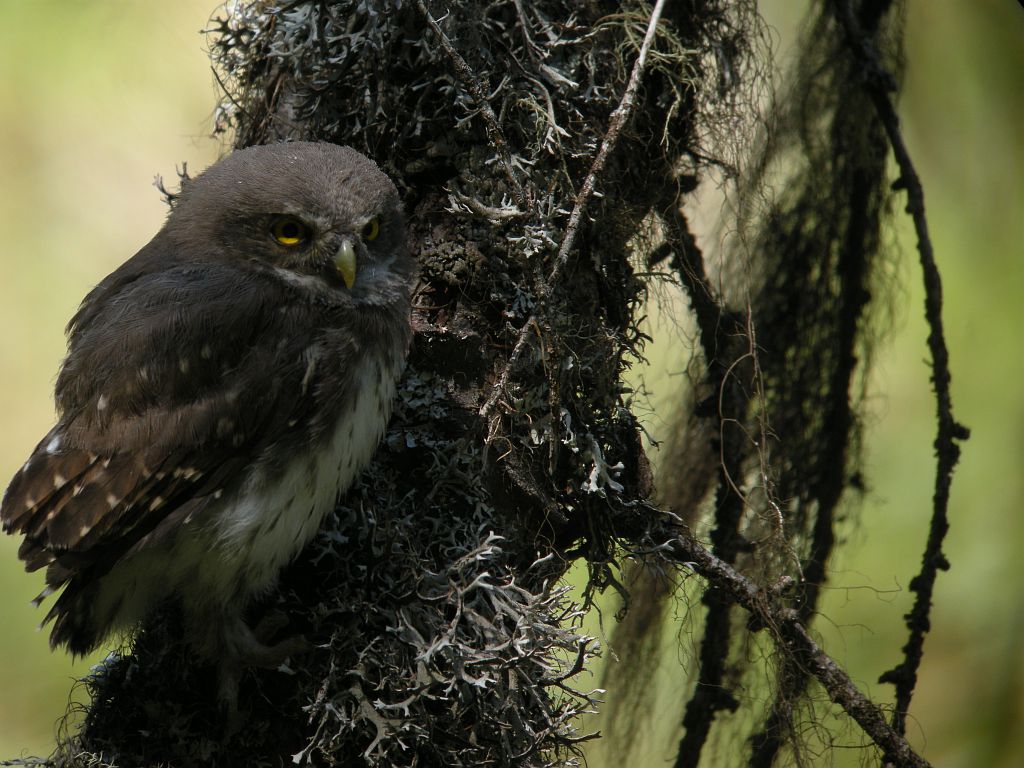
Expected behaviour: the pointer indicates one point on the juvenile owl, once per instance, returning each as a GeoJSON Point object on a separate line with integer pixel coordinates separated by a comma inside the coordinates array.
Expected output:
{"type": "Point", "coordinates": [221, 389]}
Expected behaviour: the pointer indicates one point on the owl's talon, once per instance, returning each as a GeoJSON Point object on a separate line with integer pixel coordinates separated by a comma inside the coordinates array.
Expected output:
{"type": "Point", "coordinates": [246, 647]}
{"type": "Point", "coordinates": [271, 623]}
{"type": "Point", "coordinates": [273, 656]}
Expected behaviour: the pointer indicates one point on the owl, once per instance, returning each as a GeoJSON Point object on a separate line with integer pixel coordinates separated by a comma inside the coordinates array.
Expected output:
{"type": "Point", "coordinates": [221, 389]}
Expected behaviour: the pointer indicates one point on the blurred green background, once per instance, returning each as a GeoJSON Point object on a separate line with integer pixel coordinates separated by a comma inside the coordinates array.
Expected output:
{"type": "Point", "coordinates": [97, 98]}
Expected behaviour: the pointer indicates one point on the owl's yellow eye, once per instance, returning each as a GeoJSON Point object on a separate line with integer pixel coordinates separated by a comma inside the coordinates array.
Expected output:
{"type": "Point", "coordinates": [371, 230]}
{"type": "Point", "coordinates": [289, 231]}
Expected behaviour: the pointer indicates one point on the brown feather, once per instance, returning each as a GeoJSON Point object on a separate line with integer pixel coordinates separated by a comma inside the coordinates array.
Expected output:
{"type": "Point", "coordinates": [44, 484]}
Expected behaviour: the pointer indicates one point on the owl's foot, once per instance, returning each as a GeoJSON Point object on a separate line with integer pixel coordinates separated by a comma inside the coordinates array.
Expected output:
{"type": "Point", "coordinates": [251, 648]}
{"type": "Point", "coordinates": [247, 647]}
{"type": "Point", "coordinates": [266, 628]}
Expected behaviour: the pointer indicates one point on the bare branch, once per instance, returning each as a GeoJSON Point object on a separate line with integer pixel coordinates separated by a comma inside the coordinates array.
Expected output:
{"type": "Point", "coordinates": [617, 122]}
{"type": "Point", "coordinates": [879, 83]}
{"type": "Point", "coordinates": [789, 633]}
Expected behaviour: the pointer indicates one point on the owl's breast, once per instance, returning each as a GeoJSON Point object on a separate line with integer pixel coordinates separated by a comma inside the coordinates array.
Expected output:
{"type": "Point", "coordinates": [282, 504]}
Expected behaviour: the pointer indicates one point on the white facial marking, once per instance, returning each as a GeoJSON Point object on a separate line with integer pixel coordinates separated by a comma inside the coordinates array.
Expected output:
{"type": "Point", "coordinates": [308, 282]}
{"type": "Point", "coordinates": [58, 480]}
{"type": "Point", "coordinates": [112, 500]}
{"type": "Point", "coordinates": [53, 446]}
{"type": "Point", "coordinates": [102, 403]}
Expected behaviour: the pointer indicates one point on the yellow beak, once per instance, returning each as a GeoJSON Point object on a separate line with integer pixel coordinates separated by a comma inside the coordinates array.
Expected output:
{"type": "Point", "coordinates": [345, 262]}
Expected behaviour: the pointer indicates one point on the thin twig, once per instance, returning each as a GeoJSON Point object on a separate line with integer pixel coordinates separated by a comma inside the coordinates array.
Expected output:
{"type": "Point", "coordinates": [879, 83]}
{"type": "Point", "coordinates": [619, 117]}
{"type": "Point", "coordinates": [788, 632]}
{"type": "Point", "coordinates": [469, 79]}
{"type": "Point", "coordinates": [517, 352]}
{"type": "Point", "coordinates": [616, 123]}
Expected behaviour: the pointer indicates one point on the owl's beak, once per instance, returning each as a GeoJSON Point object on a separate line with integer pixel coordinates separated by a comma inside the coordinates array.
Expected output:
{"type": "Point", "coordinates": [345, 262]}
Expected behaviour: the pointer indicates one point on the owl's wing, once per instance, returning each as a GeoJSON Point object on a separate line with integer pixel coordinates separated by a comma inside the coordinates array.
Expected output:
{"type": "Point", "coordinates": [171, 388]}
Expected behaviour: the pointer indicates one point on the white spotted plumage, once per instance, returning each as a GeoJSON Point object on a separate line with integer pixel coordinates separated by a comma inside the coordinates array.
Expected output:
{"type": "Point", "coordinates": [270, 521]}
{"type": "Point", "coordinates": [256, 531]}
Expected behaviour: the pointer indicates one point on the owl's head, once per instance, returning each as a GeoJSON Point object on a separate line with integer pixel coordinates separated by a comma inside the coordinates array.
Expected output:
{"type": "Point", "coordinates": [322, 214]}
